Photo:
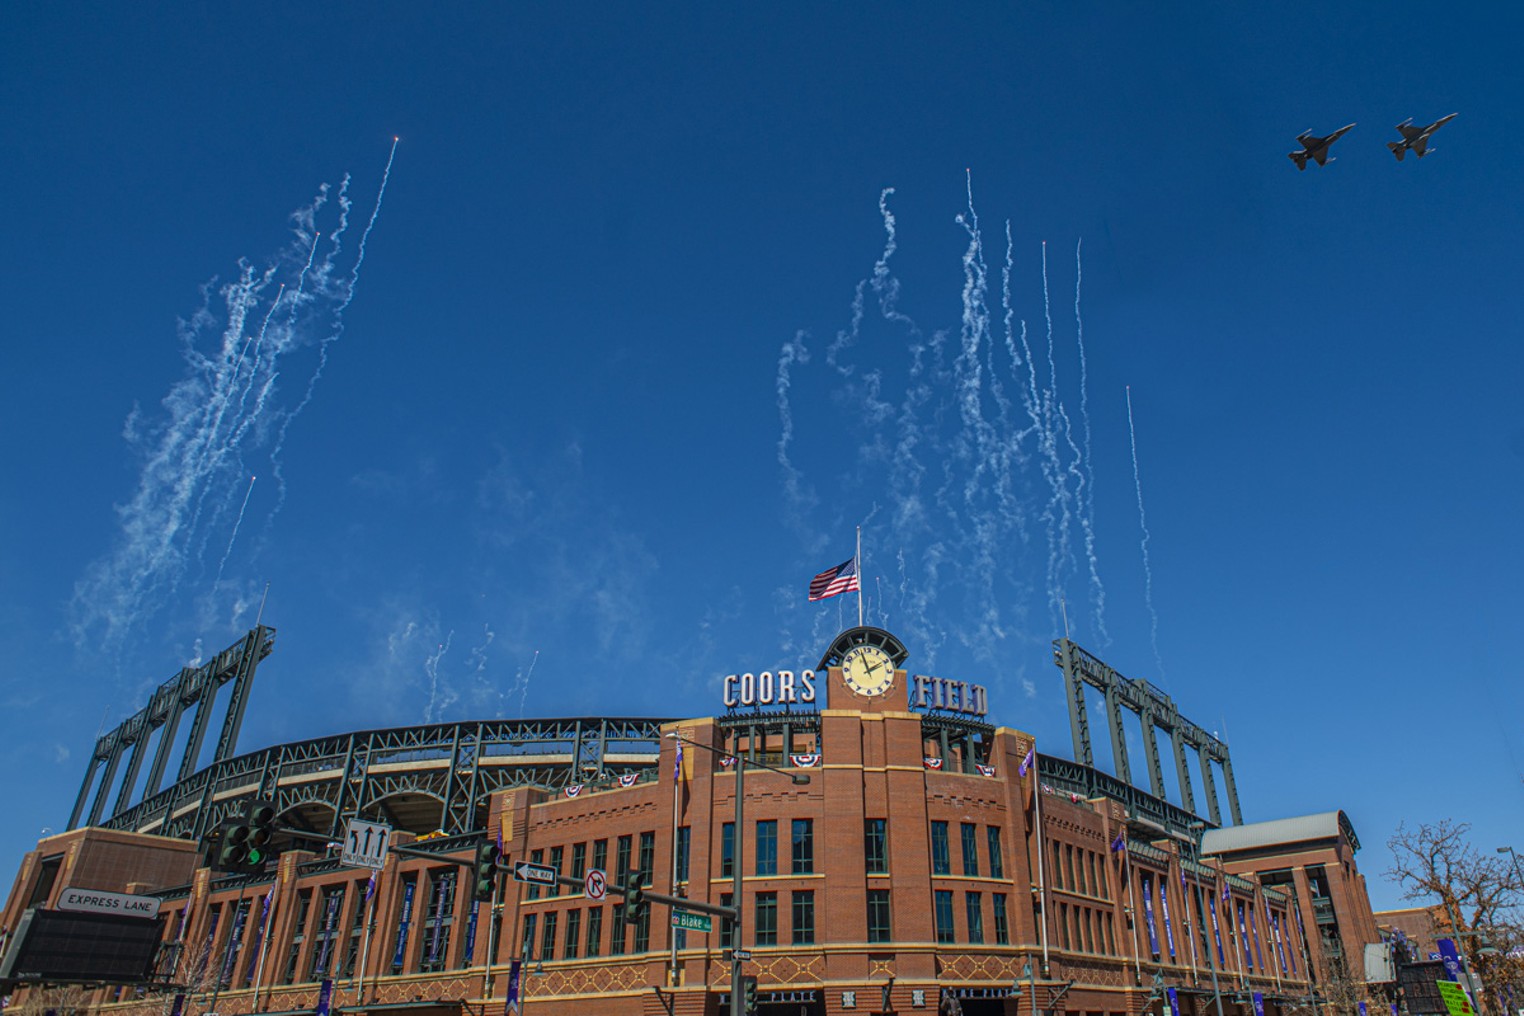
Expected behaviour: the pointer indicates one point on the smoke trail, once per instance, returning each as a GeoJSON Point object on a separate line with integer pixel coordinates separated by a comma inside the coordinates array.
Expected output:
{"type": "Point", "coordinates": [192, 450]}
{"type": "Point", "coordinates": [1087, 506]}
{"type": "Point", "coordinates": [232, 539]}
{"type": "Point", "coordinates": [1148, 572]}
{"type": "Point", "coordinates": [433, 711]}
{"type": "Point", "coordinates": [523, 685]}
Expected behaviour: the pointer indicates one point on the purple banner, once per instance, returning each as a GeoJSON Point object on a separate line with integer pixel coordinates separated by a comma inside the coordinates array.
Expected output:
{"type": "Point", "coordinates": [403, 924]}
{"type": "Point", "coordinates": [1259, 957]}
{"type": "Point", "coordinates": [325, 997]}
{"type": "Point", "coordinates": [1169, 935]}
{"type": "Point", "coordinates": [1243, 935]}
{"type": "Point", "coordinates": [1216, 931]}
{"type": "Point", "coordinates": [471, 932]}
{"type": "Point", "coordinates": [1148, 913]}
{"type": "Point", "coordinates": [511, 1000]}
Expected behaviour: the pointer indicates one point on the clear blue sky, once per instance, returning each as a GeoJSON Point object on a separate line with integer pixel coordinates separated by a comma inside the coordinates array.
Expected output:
{"type": "Point", "coordinates": [596, 392]}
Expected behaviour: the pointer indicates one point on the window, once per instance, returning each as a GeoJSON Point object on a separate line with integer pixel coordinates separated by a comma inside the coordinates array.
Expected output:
{"type": "Point", "coordinates": [1063, 925]}
{"type": "Point", "coordinates": [804, 917]}
{"type": "Point", "coordinates": [970, 838]}
{"type": "Point", "coordinates": [766, 906]}
{"type": "Point", "coordinates": [535, 857]}
{"type": "Point", "coordinates": [531, 921]}
{"type": "Point", "coordinates": [767, 847]}
{"type": "Point", "coordinates": [973, 905]}
{"type": "Point", "coordinates": [997, 859]}
{"type": "Point", "coordinates": [573, 933]}
{"type": "Point", "coordinates": [940, 863]}
{"type": "Point", "coordinates": [642, 929]}
{"type": "Point", "coordinates": [1058, 870]}
{"type": "Point", "coordinates": [1103, 886]}
{"type": "Point", "coordinates": [622, 855]}
{"type": "Point", "coordinates": [594, 931]}
{"type": "Point", "coordinates": [1002, 925]}
{"type": "Point", "coordinates": [944, 915]}
{"type": "Point", "coordinates": [438, 919]}
{"type": "Point", "coordinates": [556, 855]}
{"type": "Point", "coordinates": [579, 860]}
{"type": "Point", "coordinates": [404, 919]}
{"type": "Point", "coordinates": [1084, 886]}
{"type": "Point", "coordinates": [684, 845]}
{"type": "Point", "coordinates": [327, 928]}
{"type": "Point", "coordinates": [601, 855]}
{"type": "Point", "coordinates": [727, 926]}
{"type": "Point", "coordinates": [804, 846]}
{"type": "Point", "coordinates": [878, 915]}
{"type": "Point", "coordinates": [648, 856]}
{"type": "Point", "coordinates": [616, 930]}
{"type": "Point", "coordinates": [1089, 935]}
{"type": "Point", "coordinates": [548, 938]}
{"type": "Point", "coordinates": [1069, 882]}
{"type": "Point", "coordinates": [876, 846]}
{"type": "Point", "coordinates": [728, 850]}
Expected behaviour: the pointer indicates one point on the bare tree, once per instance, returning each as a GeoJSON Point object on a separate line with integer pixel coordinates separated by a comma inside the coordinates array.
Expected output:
{"type": "Point", "coordinates": [1478, 898]}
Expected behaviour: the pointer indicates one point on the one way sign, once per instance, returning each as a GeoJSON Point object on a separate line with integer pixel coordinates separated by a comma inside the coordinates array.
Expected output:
{"type": "Point", "coordinates": [540, 874]}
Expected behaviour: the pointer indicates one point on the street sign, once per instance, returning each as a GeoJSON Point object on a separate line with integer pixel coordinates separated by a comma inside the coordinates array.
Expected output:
{"type": "Point", "coordinates": [540, 874]}
{"type": "Point", "coordinates": [691, 922]}
{"type": "Point", "coordinates": [97, 901]}
{"type": "Point", "coordinates": [365, 844]}
{"type": "Point", "coordinates": [597, 884]}
{"type": "Point", "coordinates": [1455, 999]}
{"type": "Point", "coordinates": [741, 954]}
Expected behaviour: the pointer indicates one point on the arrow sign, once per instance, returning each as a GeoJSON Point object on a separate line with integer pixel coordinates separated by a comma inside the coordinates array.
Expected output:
{"type": "Point", "coordinates": [596, 884]}
{"type": "Point", "coordinates": [540, 874]}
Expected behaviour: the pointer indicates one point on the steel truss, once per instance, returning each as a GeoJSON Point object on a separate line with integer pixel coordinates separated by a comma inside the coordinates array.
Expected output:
{"type": "Point", "coordinates": [458, 764]}
{"type": "Point", "coordinates": [1155, 710]}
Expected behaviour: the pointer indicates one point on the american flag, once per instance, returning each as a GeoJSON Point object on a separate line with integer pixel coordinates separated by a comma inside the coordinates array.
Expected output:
{"type": "Point", "coordinates": [835, 581]}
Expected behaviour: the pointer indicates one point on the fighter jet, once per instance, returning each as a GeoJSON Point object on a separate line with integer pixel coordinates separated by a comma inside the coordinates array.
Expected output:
{"type": "Point", "coordinates": [1416, 138]}
{"type": "Point", "coordinates": [1314, 147]}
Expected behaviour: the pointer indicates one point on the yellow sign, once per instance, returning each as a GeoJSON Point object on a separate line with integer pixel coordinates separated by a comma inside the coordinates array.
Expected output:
{"type": "Point", "coordinates": [1455, 999]}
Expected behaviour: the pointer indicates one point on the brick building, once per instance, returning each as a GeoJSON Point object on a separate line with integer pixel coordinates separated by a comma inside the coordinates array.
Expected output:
{"type": "Point", "coordinates": [895, 850]}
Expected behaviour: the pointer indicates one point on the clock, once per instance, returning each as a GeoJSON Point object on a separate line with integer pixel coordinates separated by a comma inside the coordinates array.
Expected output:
{"type": "Point", "coordinates": [868, 670]}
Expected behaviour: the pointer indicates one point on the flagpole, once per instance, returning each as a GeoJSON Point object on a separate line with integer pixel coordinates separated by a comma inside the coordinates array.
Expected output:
{"type": "Point", "coordinates": [370, 922]}
{"type": "Point", "coordinates": [1132, 896]}
{"type": "Point", "coordinates": [677, 778]}
{"type": "Point", "coordinates": [1042, 876]}
{"type": "Point", "coordinates": [264, 951]}
{"type": "Point", "coordinates": [858, 562]}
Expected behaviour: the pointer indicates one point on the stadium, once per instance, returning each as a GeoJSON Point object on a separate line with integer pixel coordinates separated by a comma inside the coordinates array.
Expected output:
{"type": "Point", "coordinates": [898, 852]}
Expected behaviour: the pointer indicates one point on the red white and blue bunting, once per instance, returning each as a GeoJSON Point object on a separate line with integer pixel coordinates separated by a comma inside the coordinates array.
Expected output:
{"type": "Point", "coordinates": [931, 762]}
{"type": "Point", "coordinates": [628, 779]}
{"type": "Point", "coordinates": [574, 790]}
{"type": "Point", "coordinates": [804, 761]}
{"type": "Point", "coordinates": [727, 761]}
{"type": "Point", "coordinates": [985, 770]}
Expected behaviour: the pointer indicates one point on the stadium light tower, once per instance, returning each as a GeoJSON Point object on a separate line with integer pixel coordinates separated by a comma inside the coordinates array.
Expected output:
{"type": "Point", "coordinates": [737, 1004]}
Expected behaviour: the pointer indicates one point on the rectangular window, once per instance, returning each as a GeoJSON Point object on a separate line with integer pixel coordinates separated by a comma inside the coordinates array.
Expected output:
{"type": "Point", "coordinates": [601, 855]}
{"type": "Point", "coordinates": [1084, 886]}
{"type": "Point", "coordinates": [1063, 925]}
{"type": "Point", "coordinates": [970, 838]}
{"type": "Point", "coordinates": [1089, 935]}
{"type": "Point", "coordinates": [941, 864]}
{"type": "Point", "coordinates": [684, 845]}
{"type": "Point", "coordinates": [767, 847]}
{"type": "Point", "coordinates": [622, 856]}
{"type": "Point", "coordinates": [974, 906]}
{"type": "Point", "coordinates": [766, 906]}
{"type": "Point", "coordinates": [643, 930]}
{"type": "Point", "coordinates": [727, 926]}
{"type": "Point", "coordinates": [804, 917]}
{"type": "Point", "coordinates": [1069, 881]}
{"type": "Point", "coordinates": [1104, 886]}
{"type": "Point", "coordinates": [876, 846]}
{"type": "Point", "coordinates": [535, 857]}
{"type": "Point", "coordinates": [1002, 923]}
{"type": "Point", "coordinates": [438, 919]}
{"type": "Point", "coordinates": [804, 846]}
{"type": "Point", "coordinates": [579, 860]}
{"type": "Point", "coordinates": [944, 915]}
{"type": "Point", "coordinates": [594, 931]}
{"type": "Point", "coordinates": [1058, 869]}
{"type": "Point", "coordinates": [648, 856]}
{"type": "Point", "coordinates": [997, 859]}
{"type": "Point", "coordinates": [548, 938]}
{"type": "Point", "coordinates": [616, 930]}
{"type": "Point", "coordinates": [728, 850]}
{"type": "Point", "coordinates": [556, 854]}
{"type": "Point", "coordinates": [573, 933]}
{"type": "Point", "coordinates": [878, 916]}
{"type": "Point", "coordinates": [531, 921]}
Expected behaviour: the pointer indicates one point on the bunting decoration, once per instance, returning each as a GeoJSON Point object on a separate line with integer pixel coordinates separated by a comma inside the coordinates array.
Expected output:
{"type": "Point", "coordinates": [985, 770]}
{"type": "Point", "coordinates": [804, 761]}
{"type": "Point", "coordinates": [727, 761]}
{"type": "Point", "coordinates": [931, 762]}
{"type": "Point", "coordinates": [628, 779]}
{"type": "Point", "coordinates": [574, 790]}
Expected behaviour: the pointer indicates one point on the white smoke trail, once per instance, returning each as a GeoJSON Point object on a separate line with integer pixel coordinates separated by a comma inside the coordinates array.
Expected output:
{"type": "Point", "coordinates": [234, 538]}
{"type": "Point", "coordinates": [1087, 506]}
{"type": "Point", "coordinates": [433, 711]}
{"type": "Point", "coordinates": [1148, 572]}
{"type": "Point", "coordinates": [523, 685]}
{"type": "Point", "coordinates": [193, 450]}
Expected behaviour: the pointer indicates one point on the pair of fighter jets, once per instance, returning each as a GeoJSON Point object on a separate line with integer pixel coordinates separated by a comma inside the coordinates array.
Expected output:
{"type": "Point", "coordinates": [1415, 139]}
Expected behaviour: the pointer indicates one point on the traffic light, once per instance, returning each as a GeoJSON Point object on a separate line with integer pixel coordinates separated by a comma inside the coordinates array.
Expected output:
{"type": "Point", "coordinates": [749, 993]}
{"type": "Point", "coordinates": [484, 882]}
{"type": "Point", "coordinates": [242, 843]}
{"type": "Point", "coordinates": [634, 896]}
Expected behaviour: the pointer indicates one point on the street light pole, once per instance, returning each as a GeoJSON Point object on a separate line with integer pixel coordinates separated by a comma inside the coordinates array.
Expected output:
{"type": "Point", "coordinates": [1198, 829]}
{"type": "Point", "coordinates": [1516, 872]}
{"type": "Point", "coordinates": [799, 779]}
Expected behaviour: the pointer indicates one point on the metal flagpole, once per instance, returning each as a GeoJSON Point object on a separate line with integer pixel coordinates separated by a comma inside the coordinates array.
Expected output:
{"type": "Point", "coordinates": [370, 922]}
{"type": "Point", "coordinates": [1132, 896]}
{"type": "Point", "coordinates": [677, 779]}
{"type": "Point", "coordinates": [1042, 878]}
{"type": "Point", "coordinates": [858, 563]}
{"type": "Point", "coordinates": [264, 951]}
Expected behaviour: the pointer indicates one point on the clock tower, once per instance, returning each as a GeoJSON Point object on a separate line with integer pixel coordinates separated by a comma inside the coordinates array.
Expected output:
{"type": "Point", "coordinates": [864, 672]}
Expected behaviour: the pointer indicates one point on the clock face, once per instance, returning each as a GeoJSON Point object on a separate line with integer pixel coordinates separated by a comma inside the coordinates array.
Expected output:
{"type": "Point", "coordinates": [868, 670]}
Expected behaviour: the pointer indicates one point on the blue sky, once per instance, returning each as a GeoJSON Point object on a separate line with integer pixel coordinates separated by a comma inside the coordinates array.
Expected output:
{"type": "Point", "coordinates": [660, 303]}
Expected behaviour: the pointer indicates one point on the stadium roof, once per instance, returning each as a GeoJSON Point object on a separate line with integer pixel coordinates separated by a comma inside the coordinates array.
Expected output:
{"type": "Point", "coordinates": [1324, 826]}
